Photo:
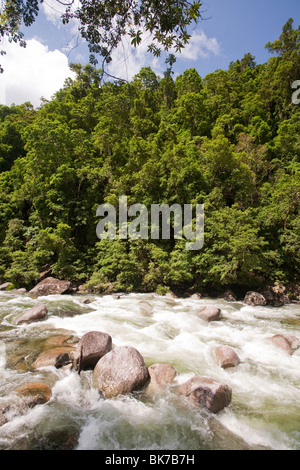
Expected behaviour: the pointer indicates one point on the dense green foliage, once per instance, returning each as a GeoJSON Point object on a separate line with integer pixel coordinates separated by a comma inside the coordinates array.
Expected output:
{"type": "Point", "coordinates": [230, 140]}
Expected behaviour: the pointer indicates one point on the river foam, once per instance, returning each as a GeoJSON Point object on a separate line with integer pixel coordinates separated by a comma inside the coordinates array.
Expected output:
{"type": "Point", "coordinates": [265, 410]}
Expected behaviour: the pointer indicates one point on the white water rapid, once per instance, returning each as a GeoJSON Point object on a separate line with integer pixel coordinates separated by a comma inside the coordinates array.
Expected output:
{"type": "Point", "coordinates": [265, 408]}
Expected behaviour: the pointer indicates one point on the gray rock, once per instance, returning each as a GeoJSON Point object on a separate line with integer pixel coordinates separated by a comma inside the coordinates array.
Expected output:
{"type": "Point", "coordinates": [121, 371]}
{"type": "Point", "coordinates": [5, 285]}
{"type": "Point", "coordinates": [255, 299]}
{"type": "Point", "coordinates": [37, 313]}
{"type": "Point", "coordinates": [50, 286]}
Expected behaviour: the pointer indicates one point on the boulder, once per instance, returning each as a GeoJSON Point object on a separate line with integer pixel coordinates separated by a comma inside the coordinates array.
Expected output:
{"type": "Point", "coordinates": [39, 312]}
{"type": "Point", "coordinates": [50, 286]}
{"type": "Point", "coordinates": [90, 348]}
{"type": "Point", "coordinates": [121, 371]}
{"type": "Point", "coordinates": [229, 296]}
{"type": "Point", "coordinates": [35, 393]}
{"type": "Point", "coordinates": [57, 357]}
{"type": "Point", "coordinates": [288, 343]}
{"type": "Point", "coordinates": [22, 290]}
{"type": "Point", "coordinates": [210, 313]}
{"type": "Point", "coordinates": [275, 295]}
{"type": "Point", "coordinates": [6, 285]}
{"type": "Point", "coordinates": [227, 357]}
{"type": "Point", "coordinates": [161, 374]}
{"type": "Point", "coordinates": [255, 299]}
{"type": "Point", "coordinates": [206, 392]}
{"type": "Point", "coordinates": [196, 296]}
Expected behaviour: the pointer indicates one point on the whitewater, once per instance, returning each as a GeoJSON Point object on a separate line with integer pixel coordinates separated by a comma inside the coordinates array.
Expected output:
{"type": "Point", "coordinates": [264, 412]}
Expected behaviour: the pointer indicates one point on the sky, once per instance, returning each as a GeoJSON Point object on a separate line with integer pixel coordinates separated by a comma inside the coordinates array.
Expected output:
{"type": "Point", "coordinates": [229, 30]}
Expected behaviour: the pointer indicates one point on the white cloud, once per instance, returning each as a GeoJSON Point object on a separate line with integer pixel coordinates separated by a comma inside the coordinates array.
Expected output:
{"type": "Point", "coordinates": [200, 46]}
{"type": "Point", "coordinates": [31, 73]}
{"type": "Point", "coordinates": [127, 60]}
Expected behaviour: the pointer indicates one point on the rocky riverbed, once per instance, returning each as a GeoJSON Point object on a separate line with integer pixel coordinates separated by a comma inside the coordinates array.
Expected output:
{"type": "Point", "coordinates": [54, 392]}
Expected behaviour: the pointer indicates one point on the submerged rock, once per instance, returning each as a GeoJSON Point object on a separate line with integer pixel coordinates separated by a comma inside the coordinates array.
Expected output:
{"type": "Point", "coordinates": [50, 286]}
{"type": "Point", "coordinates": [210, 313]}
{"type": "Point", "coordinates": [255, 299]}
{"type": "Point", "coordinates": [90, 348]}
{"type": "Point", "coordinates": [121, 371]}
{"type": "Point", "coordinates": [161, 375]}
{"type": "Point", "coordinates": [35, 393]}
{"type": "Point", "coordinates": [207, 392]}
{"type": "Point", "coordinates": [57, 357]}
{"type": "Point", "coordinates": [227, 357]}
{"type": "Point", "coordinates": [39, 312]}
{"type": "Point", "coordinates": [145, 307]}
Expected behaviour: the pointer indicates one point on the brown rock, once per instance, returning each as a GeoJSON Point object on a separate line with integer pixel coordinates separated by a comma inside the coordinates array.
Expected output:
{"type": "Point", "coordinates": [121, 371]}
{"type": "Point", "coordinates": [39, 312]}
{"type": "Point", "coordinates": [54, 357]}
{"type": "Point", "coordinates": [229, 296]}
{"type": "Point", "coordinates": [91, 347]}
{"type": "Point", "coordinates": [210, 313]}
{"type": "Point", "coordinates": [196, 296]}
{"type": "Point", "coordinates": [207, 392]}
{"type": "Point", "coordinates": [35, 393]}
{"type": "Point", "coordinates": [255, 299]}
{"type": "Point", "coordinates": [288, 343]}
{"type": "Point", "coordinates": [50, 286]}
{"type": "Point", "coordinates": [275, 295]}
{"type": "Point", "coordinates": [161, 374]}
{"type": "Point", "coordinates": [227, 357]}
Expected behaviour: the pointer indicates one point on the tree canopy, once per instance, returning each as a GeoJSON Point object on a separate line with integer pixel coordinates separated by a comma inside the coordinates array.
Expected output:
{"type": "Point", "coordinates": [229, 140]}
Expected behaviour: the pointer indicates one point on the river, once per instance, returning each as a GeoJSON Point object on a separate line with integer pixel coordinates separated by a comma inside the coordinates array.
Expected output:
{"type": "Point", "coordinates": [264, 412]}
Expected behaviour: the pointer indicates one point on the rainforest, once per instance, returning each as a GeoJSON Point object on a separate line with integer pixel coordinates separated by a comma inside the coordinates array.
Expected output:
{"type": "Point", "coordinates": [229, 140]}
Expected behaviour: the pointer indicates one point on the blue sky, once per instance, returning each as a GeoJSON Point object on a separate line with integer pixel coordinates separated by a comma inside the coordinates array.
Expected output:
{"type": "Point", "coordinates": [231, 29]}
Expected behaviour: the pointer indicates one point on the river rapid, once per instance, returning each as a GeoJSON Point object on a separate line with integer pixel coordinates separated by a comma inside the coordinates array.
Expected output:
{"type": "Point", "coordinates": [264, 412]}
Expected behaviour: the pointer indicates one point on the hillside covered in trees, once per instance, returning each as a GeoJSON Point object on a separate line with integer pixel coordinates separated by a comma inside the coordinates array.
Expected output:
{"type": "Point", "coordinates": [230, 141]}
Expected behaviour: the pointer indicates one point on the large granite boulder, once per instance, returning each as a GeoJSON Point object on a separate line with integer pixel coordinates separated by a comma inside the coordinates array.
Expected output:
{"type": "Point", "coordinates": [207, 392]}
{"type": "Point", "coordinates": [210, 313]}
{"type": "Point", "coordinates": [91, 347]}
{"type": "Point", "coordinates": [227, 357]}
{"type": "Point", "coordinates": [121, 371]}
{"type": "Point", "coordinates": [255, 299]}
{"type": "Point", "coordinates": [50, 286]}
{"type": "Point", "coordinates": [39, 312]}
